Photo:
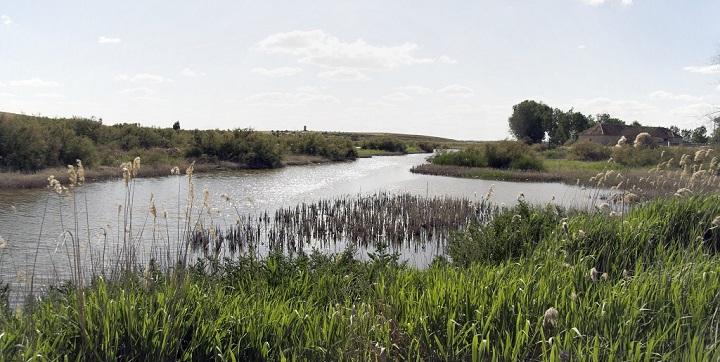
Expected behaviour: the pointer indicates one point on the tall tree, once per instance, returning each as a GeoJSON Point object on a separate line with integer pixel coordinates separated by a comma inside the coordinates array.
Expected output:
{"type": "Point", "coordinates": [530, 120]}
{"type": "Point", "coordinates": [605, 118]}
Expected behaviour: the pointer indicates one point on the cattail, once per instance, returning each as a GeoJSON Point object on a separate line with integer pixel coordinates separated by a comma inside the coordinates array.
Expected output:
{"type": "Point", "coordinates": [55, 185]}
{"type": "Point", "coordinates": [626, 274]}
{"type": "Point", "coordinates": [489, 192]}
{"type": "Point", "coordinates": [189, 170]}
{"type": "Point", "coordinates": [226, 197]}
{"type": "Point", "coordinates": [80, 172]}
{"type": "Point", "coordinates": [126, 175]}
{"type": "Point", "coordinates": [550, 318]}
{"type": "Point", "coordinates": [697, 176]}
{"type": "Point", "coordinates": [605, 276]}
{"type": "Point", "coordinates": [175, 171]}
{"type": "Point", "coordinates": [565, 227]}
{"type": "Point", "coordinates": [73, 175]}
{"type": "Point", "coordinates": [594, 275]}
{"type": "Point", "coordinates": [581, 233]}
{"type": "Point", "coordinates": [153, 209]}
{"type": "Point", "coordinates": [683, 192]}
{"type": "Point", "coordinates": [521, 196]}
{"type": "Point", "coordinates": [574, 297]}
{"type": "Point", "coordinates": [631, 198]}
{"type": "Point", "coordinates": [135, 166]}
{"type": "Point", "coordinates": [699, 155]}
{"type": "Point", "coordinates": [3, 243]}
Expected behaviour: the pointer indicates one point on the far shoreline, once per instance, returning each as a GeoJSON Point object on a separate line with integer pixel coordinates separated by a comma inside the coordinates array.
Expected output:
{"type": "Point", "coordinates": [38, 179]}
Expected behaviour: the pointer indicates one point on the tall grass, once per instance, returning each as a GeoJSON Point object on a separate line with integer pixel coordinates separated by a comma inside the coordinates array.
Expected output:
{"type": "Point", "coordinates": [529, 283]}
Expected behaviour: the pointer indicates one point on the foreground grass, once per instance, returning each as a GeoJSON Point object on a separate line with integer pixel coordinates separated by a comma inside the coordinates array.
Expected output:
{"type": "Point", "coordinates": [579, 286]}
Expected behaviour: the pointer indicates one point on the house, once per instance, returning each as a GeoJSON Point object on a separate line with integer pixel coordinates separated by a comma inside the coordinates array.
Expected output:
{"type": "Point", "coordinates": [609, 134]}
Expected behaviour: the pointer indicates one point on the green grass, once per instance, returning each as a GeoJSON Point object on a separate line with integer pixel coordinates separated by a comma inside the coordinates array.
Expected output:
{"type": "Point", "coordinates": [660, 299]}
{"type": "Point", "coordinates": [564, 165]}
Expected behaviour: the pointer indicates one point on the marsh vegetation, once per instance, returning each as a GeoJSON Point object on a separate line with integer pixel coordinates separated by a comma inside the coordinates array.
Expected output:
{"type": "Point", "coordinates": [520, 282]}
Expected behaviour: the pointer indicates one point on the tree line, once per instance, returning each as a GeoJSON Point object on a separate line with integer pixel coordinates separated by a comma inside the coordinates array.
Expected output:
{"type": "Point", "coordinates": [533, 122]}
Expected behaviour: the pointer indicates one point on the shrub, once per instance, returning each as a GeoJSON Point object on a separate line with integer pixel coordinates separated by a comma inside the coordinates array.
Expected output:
{"type": "Point", "coordinates": [470, 157]}
{"type": "Point", "coordinates": [504, 154]}
{"type": "Point", "coordinates": [630, 156]}
{"type": "Point", "coordinates": [513, 155]}
{"type": "Point", "coordinates": [589, 151]}
{"type": "Point", "coordinates": [389, 144]}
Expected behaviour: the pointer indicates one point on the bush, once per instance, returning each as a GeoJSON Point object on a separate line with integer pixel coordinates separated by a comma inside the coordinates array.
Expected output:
{"type": "Point", "coordinates": [589, 151]}
{"type": "Point", "coordinates": [513, 155]}
{"type": "Point", "coordinates": [389, 144]}
{"type": "Point", "coordinates": [639, 157]}
{"type": "Point", "coordinates": [504, 154]}
{"type": "Point", "coordinates": [471, 157]}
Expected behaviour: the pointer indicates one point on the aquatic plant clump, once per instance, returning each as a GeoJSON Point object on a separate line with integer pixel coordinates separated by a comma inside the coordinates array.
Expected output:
{"type": "Point", "coordinates": [400, 221]}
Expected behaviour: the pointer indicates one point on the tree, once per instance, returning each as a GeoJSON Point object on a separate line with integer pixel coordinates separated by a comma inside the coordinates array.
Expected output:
{"type": "Point", "coordinates": [699, 135]}
{"type": "Point", "coordinates": [176, 125]}
{"type": "Point", "coordinates": [605, 118]}
{"type": "Point", "coordinates": [530, 120]}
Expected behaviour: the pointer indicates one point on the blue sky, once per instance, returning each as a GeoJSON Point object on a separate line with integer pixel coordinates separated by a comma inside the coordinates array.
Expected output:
{"type": "Point", "coordinates": [450, 68]}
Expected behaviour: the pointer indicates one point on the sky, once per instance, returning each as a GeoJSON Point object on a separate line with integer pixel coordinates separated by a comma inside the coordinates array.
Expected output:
{"type": "Point", "coordinates": [442, 68]}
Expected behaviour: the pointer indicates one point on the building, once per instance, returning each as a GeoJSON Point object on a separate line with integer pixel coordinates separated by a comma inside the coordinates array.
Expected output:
{"type": "Point", "coordinates": [609, 134]}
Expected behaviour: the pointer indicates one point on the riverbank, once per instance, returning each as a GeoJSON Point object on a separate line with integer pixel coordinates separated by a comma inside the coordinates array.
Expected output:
{"type": "Point", "coordinates": [38, 179]}
{"type": "Point", "coordinates": [647, 183]}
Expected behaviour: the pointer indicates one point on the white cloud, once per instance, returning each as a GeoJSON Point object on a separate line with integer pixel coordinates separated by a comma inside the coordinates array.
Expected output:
{"type": "Point", "coordinates": [581, 46]}
{"type": "Point", "coordinates": [710, 69]}
{"type": "Point", "coordinates": [278, 72]}
{"type": "Point", "coordinates": [695, 111]}
{"type": "Point", "coordinates": [6, 20]}
{"type": "Point", "coordinates": [140, 90]}
{"type": "Point", "coordinates": [187, 72]}
{"type": "Point", "coordinates": [6, 94]}
{"type": "Point", "coordinates": [627, 110]}
{"type": "Point", "coordinates": [669, 95]}
{"type": "Point", "coordinates": [397, 96]}
{"type": "Point", "coordinates": [661, 95]}
{"type": "Point", "coordinates": [321, 48]}
{"type": "Point", "coordinates": [290, 98]}
{"type": "Point", "coordinates": [143, 78]}
{"type": "Point", "coordinates": [34, 82]}
{"type": "Point", "coordinates": [446, 60]}
{"type": "Point", "coordinates": [600, 2]}
{"type": "Point", "coordinates": [310, 89]}
{"type": "Point", "coordinates": [104, 40]}
{"type": "Point", "coordinates": [343, 75]}
{"type": "Point", "coordinates": [456, 90]}
{"type": "Point", "coordinates": [49, 95]}
{"type": "Point", "coordinates": [414, 89]}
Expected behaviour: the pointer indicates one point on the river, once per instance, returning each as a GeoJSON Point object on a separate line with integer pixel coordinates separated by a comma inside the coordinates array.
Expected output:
{"type": "Point", "coordinates": [35, 225]}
